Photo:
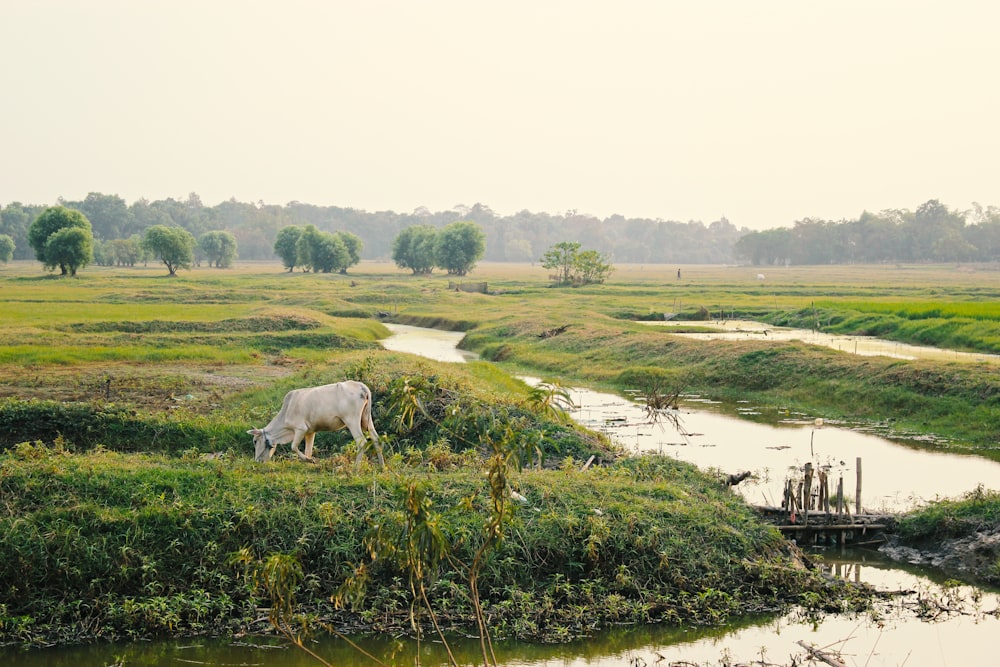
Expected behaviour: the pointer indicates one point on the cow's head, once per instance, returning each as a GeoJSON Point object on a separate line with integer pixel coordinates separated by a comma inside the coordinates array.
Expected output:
{"type": "Point", "coordinates": [263, 445]}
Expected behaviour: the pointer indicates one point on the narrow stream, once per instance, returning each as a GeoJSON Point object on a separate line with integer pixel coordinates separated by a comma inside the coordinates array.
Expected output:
{"type": "Point", "coordinates": [896, 477]}
{"type": "Point", "coordinates": [860, 345]}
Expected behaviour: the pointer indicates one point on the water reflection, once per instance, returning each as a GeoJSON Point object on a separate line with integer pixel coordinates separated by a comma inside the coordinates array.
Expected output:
{"type": "Point", "coordinates": [895, 477]}
{"type": "Point", "coordinates": [895, 633]}
{"type": "Point", "coordinates": [897, 474]}
{"type": "Point", "coordinates": [430, 343]}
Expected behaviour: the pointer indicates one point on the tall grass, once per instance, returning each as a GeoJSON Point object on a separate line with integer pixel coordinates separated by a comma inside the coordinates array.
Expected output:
{"type": "Point", "coordinates": [105, 545]}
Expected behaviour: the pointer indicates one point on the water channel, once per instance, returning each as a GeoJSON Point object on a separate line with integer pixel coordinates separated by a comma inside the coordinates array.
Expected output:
{"type": "Point", "coordinates": [897, 475]}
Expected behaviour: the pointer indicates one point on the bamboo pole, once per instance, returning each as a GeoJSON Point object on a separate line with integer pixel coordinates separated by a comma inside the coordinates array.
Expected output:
{"type": "Point", "coordinates": [857, 492]}
{"type": "Point", "coordinates": [840, 496]}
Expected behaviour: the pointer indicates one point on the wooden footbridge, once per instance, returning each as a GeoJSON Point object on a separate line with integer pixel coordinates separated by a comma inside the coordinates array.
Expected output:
{"type": "Point", "coordinates": [819, 528]}
{"type": "Point", "coordinates": [810, 516]}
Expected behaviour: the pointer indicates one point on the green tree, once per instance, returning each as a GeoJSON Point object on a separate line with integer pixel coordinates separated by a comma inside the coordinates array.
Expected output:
{"type": "Point", "coordinates": [593, 267]}
{"type": "Point", "coordinates": [413, 248]}
{"type": "Point", "coordinates": [174, 246]}
{"type": "Point", "coordinates": [51, 221]}
{"type": "Point", "coordinates": [127, 252]}
{"type": "Point", "coordinates": [108, 214]}
{"type": "Point", "coordinates": [285, 246]}
{"type": "Point", "coordinates": [6, 248]}
{"type": "Point", "coordinates": [305, 245]}
{"type": "Point", "coordinates": [562, 257]}
{"type": "Point", "coordinates": [459, 246]}
{"type": "Point", "coordinates": [354, 246]}
{"type": "Point", "coordinates": [70, 248]}
{"type": "Point", "coordinates": [329, 253]}
{"type": "Point", "coordinates": [219, 248]}
{"type": "Point", "coordinates": [15, 218]}
{"type": "Point", "coordinates": [575, 266]}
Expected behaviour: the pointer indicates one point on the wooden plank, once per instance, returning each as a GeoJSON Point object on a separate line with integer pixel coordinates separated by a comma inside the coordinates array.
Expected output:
{"type": "Point", "coordinates": [817, 528]}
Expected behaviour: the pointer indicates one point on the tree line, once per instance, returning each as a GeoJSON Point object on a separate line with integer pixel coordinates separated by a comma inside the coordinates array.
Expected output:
{"type": "Point", "coordinates": [931, 233]}
{"type": "Point", "coordinates": [521, 237]}
{"type": "Point", "coordinates": [62, 238]}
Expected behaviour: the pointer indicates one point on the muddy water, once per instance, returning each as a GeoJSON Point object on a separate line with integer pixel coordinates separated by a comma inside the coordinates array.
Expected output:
{"type": "Point", "coordinates": [431, 343]}
{"type": "Point", "coordinates": [895, 475]}
{"type": "Point", "coordinates": [860, 345]}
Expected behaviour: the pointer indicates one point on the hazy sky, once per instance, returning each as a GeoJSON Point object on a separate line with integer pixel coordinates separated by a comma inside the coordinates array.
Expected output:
{"type": "Point", "coordinates": [765, 112]}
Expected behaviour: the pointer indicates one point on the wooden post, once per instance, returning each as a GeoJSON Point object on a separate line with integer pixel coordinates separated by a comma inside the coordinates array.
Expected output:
{"type": "Point", "coordinates": [857, 492]}
{"type": "Point", "coordinates": [807, 492]}
{"type": "Point", "coordinates": [840, 497]}
{"type": "Point", "coordinates": [824, 490]}
{"type": "Point", "coordinates": [798, 500]}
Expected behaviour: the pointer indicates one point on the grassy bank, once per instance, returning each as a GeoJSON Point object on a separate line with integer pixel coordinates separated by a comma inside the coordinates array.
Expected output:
{"type": "Point", "coordinates": [106, 545]}
{"type": "Point", "coordinates": [914, 396]}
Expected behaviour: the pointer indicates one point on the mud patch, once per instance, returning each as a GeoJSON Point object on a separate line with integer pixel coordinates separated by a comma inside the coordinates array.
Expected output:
{"type": "Point", "coordinates": [975, 557]}
{"type": "Point", "coordinates": [145, 387]}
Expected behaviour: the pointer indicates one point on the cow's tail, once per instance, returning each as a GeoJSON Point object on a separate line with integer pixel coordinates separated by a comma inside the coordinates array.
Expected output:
{"type": "Point", "coordinates": [366, 416]}
{"type": "Point", "coordinates": [368, 424]}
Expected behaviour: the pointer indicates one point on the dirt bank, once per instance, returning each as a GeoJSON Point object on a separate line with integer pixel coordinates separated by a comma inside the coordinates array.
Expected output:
{"type": "Point", "coordinates": [974, 557]}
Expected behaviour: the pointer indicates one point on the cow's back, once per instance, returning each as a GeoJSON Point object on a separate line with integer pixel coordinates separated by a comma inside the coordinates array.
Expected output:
{"type": "Point", "coordinates": [324, 407]}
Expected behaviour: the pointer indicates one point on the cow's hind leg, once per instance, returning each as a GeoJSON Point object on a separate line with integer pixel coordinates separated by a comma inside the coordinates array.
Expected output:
{"type": "Point", "coordinates": [363, 444]}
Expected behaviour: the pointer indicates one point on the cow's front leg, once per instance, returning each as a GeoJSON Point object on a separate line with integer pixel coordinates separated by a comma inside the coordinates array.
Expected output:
{"type": "Point", "coordinates": [295, 444]}
{"type": "Point", "coordinates": [310, 437]}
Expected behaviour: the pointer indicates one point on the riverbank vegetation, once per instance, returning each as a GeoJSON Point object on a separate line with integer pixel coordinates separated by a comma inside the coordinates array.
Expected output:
{"type": "Point", "coordinates": [133, 507]}
{"type": "Point", "coordinates": [104, 545]}
{"type": "Point", "coordinates": [959, 535]}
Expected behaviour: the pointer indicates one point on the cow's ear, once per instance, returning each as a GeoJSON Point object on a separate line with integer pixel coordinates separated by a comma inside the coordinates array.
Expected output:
{"type": "Point", "coordinates": [254, 431]}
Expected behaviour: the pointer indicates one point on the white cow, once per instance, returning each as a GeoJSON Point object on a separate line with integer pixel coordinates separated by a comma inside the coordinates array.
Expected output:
{"type": "Point", "coordinates": [330, 407]}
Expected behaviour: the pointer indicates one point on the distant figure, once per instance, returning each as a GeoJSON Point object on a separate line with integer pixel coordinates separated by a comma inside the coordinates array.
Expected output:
{"type": "Point", "coordinates": [760, 276]}
{"type": "Point", "coordinates": [678, 274]}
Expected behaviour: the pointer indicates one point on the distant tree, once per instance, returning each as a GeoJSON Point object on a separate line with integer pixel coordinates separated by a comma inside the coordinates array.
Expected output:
{"type": "Point", "coordinates": [354, 246]}
{"type": "Point", "coordinates": [307, 242]}
{"type": "Point", "coordinates": [562, 257]}
{"type": "Point", "coordinates": [285, 246]}
{"type": "Point", "coordinates": [15, 218]}
{"type": "Point", "coordinates": [118, 252]}
{"type": "Point", "coordinates": [219, 248]}
{"type": "Point", "coordinates": [575, 266]}
{"type": "Point", "coordinates": [144, 215]}
{"type": "Point", "coordinates": [174, 246]}
{"type": "Point", "coordinates": [458, 247]}
{"type": "Point", "coordinates": [6, 248]}
{"type": "Point", "coordinates": [108, 214]}
{"type": "Point", "coordinates": [127, 252]}
{"type": "Point", "coordinates": [70, 248]}
{"type": "Point", "coordinates": [52, 221]}
{"type": "Point", "coordinates": [771, 246]}
{"type": "Point", "coordinates": [593, 267]}
{"type": "Point", "coordinates": [413, 248]}
{"type": "Point", "coordinates": [329, 253]}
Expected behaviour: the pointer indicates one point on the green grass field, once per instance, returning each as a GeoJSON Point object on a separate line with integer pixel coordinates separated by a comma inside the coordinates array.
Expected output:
{"type": "Point", "coordinates": [117, 385]}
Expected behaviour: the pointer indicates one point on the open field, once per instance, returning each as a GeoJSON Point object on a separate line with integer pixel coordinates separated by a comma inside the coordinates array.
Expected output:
{"type": "Point", "coordinates": [137, 336]}
{"type": "Point", "coordinates": [125, 397]}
